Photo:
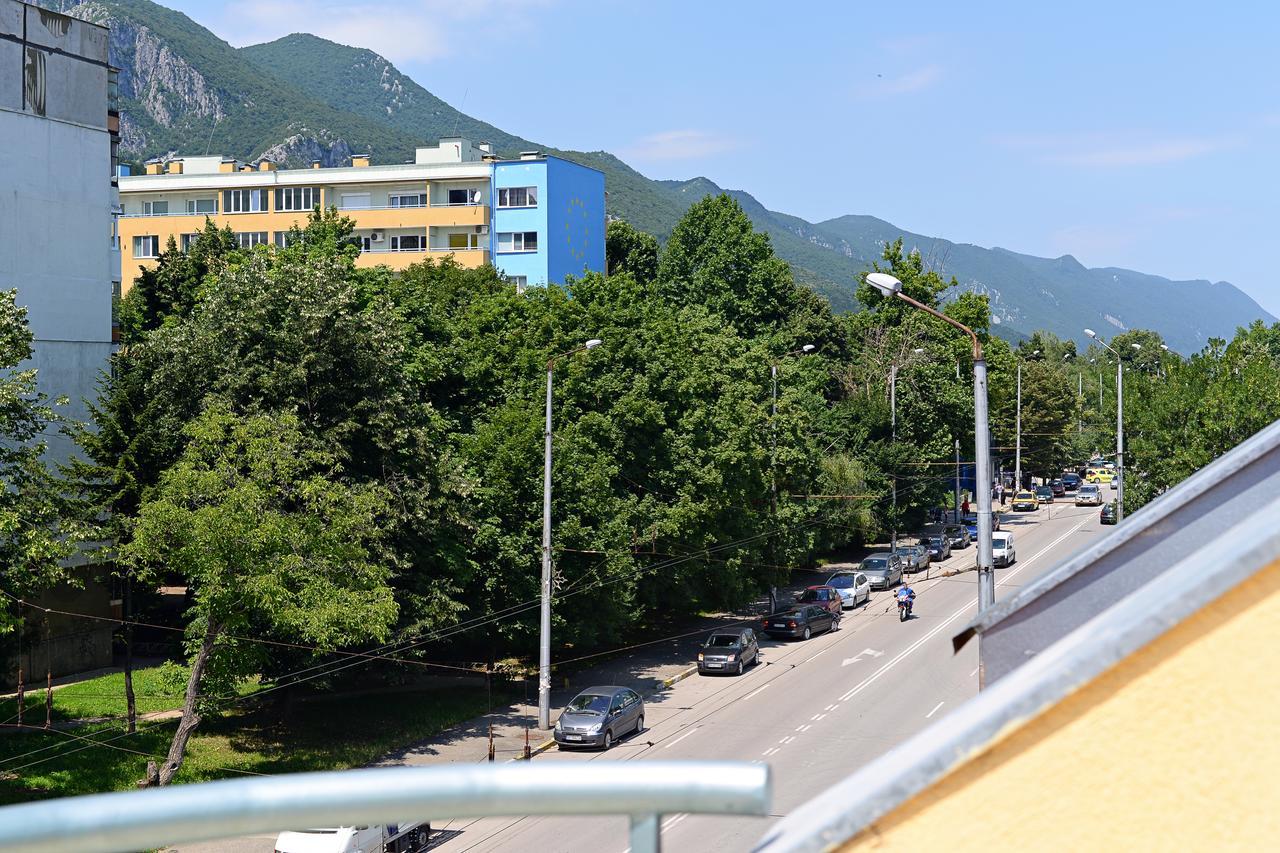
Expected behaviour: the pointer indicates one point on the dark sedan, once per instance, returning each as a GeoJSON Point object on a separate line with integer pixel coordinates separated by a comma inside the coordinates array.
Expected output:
{"type": "Point", "coordinates": [1059, 488]}
{"type": "Point", "coordinates": [1108, 514]}
{"type": "Point", "coordinates": [599, 715]}
{"type": "Point", "coordinates": [939, 546]}
{"type": "Point", "coordinates": [958, 534]}
{"type": "Point", "coordinates": [729, 651]}
{"type": "Point", "coordinates": [1044, 494]}
{"type": "Point", "coordinates": [799, 622]}
{"type": "Point", "coordinates": [915, 558]}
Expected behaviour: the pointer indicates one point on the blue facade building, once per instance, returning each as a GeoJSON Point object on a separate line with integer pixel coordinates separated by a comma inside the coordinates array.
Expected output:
{"type": "Point", "coordinates": [548, 219]}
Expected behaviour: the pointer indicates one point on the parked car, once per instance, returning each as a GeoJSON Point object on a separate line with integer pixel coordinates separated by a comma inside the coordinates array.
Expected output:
{"type": "Point", "coordinates": [1071, 482]}
{"type": "Point", "coordinates": [826, 597]}
{"type": "Point", "coordinates": [1044, 494]}
{"type": "Point", "coordinates": [854, 587]}
{"type": "Point", "coordinates": [1115, 482]}
{"type": "Point", "coordinates": [971, 524]}
{"type": "Point", "coordinates": [1108, 514]}
{"type": "Point", "coordinates": [939, 545]}
{"type": "Point", "coordinates": [406, 837]}
{"type": "Point", "coordinates": [958, 534]}
{"type": "Point", "coordinates": [1002, 550]}
{"type": "Point", "coordinates": [729, 651]}
{"type": "Point", "coordinates": [1089, 495]}
{"type": "Point", "coordinates": [1058, 488]}
{"type": "Point", "coordinates": [1100, 475]}
{"type": "Point", "coordinates": [883, 570]}
{"type": "Point", "coordinates": [915, 558]}
{"type": "Point", "coordinates": [1025, 502]}
{"type": "Point", "coordinates": [802, 621]}
{"type": "Point", "coordinates": [598, 716]}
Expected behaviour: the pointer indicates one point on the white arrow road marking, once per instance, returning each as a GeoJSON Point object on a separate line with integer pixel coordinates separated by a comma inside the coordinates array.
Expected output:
{"type": "Point", "coordinates": [875, 653]}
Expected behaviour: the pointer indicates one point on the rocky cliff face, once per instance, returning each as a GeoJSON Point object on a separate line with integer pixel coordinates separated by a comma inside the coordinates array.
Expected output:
{"type": "Point", "coordinates": [300, 151]}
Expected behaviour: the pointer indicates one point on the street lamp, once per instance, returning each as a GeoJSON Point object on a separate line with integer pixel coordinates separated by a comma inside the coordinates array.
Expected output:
{"type": "Point", "coordinates": [544, 645]}
{"type": "Point", "coordinates": [1017, 453]}
{"type": "Point", "coordinates": [892, 287]}
{"type": "Point", "coordinates": [1119, 421]}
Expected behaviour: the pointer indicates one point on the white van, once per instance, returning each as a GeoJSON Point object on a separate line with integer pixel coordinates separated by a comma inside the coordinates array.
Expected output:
{"type": "Point", "coordinates": [1002, 550]}
{"type": "Point", "coordinates": [1089, 495]}
{"type": "Point", "coordinates": [407, 837]}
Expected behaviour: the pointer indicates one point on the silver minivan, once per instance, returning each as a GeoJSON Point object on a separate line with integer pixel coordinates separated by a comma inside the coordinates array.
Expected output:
{"type": "Point", "coordinates": [1002, 550]}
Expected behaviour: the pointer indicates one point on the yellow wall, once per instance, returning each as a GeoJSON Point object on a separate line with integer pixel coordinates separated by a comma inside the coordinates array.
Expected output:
{"type": "Point", "coordinates": [1174, 748]}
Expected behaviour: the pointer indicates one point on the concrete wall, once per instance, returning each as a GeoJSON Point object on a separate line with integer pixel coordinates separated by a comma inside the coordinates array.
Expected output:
{"type": "Point", "coordinates": [74, 644]}
{"type": "Point", "coordinates": [575, 220]}
{"type": "Point", "coordinates": [522, 173]}
{"type": "Point", "coordinates": [1173, 748]}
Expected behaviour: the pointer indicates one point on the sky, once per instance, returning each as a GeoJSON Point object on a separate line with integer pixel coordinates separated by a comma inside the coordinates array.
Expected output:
{"type": "Point", "coordinates": [1140, 135]}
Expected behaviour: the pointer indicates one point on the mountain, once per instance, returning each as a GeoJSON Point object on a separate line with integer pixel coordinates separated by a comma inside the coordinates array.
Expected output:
{"type": "Point", "coordinates": [302, 98]}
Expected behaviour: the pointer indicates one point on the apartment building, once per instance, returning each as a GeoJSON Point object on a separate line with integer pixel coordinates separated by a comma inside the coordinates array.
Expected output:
{"type": "Point", "coordinates": [59, 126]}
{"type": "Point", "coordinates": [537, 219]}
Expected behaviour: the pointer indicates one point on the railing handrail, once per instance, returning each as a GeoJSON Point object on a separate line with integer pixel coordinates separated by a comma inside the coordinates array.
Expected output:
{"type": "Point", "coordinates": [138, 820]}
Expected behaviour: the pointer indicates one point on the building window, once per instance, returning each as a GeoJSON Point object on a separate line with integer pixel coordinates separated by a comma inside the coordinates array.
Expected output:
{"type": "Point", "coordinates": [518, 197]}
{"type": "Point", "coordinates": [244, 201]}
{"type": "Point", "coordinates": [187, 240]}
{"type": "Point", "coordinates": [520, 281]}
{"type": "Point", "coordinates": [464, 197]}
{"type": "Point", "coordinates": [115, 228]}
{"type": "Point", "coordinates": [355, 201]}
{"type": "Point", "coordinates": [155, 208]}
{"type": "Point", "coordinates": [408, 199]}
{"type": "Point", "coordinates": [408, 243]}
{"type": "Point", "coordinates": [518, 241]}
{"type": "Point", "coordinates": [249, 239]}
{"type": "Point", "coordinates": [297, 198]}
{"type": "Point", "coordinates": [463, 241]}
{"type": "Point", "coordinates": [202, 205]}
{"type": "Point", "coordinates": [146, 247]}
{"type": "Point", "coordinates": [283, 241]}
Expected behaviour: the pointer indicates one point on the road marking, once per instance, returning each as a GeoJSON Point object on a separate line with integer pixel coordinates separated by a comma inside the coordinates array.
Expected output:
{"type": "Point", "coordinates": [682, 737]}
{"type": "Point", "coordinates": [829, 708]}
{"type": "Point", "coordinates": [817, 716]}
{"type": "Point", "coordinates": [875, 653]}
{"type": "Point", "coordinates": [787, 739]}
{"type": "Point", "coordinates": [811, 657]}
{"type": "Point", "coordinates": [867, 682]}
{"type": "Point", "coordinates": [975, 672]}
{"type": "Point", "coordinates": [670, 822]}
{"type": "Point", "coordinates": [803, 728]}
{"type": "Point", "coordinates": [770, 751]}
{"type": "Point", "coordinates": [935, 709]}
{"type": "Point", "coordinates": [757, 690]}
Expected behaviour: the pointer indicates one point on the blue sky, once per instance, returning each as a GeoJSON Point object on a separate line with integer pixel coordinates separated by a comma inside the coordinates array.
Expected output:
{"type": "Point", "coordinates": [1143, 137]}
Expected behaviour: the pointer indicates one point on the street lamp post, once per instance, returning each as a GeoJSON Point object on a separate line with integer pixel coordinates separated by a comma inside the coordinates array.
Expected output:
{"type": "Point", "coordinates": [1119, 422]}
{"type": "Point", "coordinates": [1017, 460]}
{"type": "Point", "coordinates": [544, 644]}
{"type": "Point", "coordinates": [892, 287]}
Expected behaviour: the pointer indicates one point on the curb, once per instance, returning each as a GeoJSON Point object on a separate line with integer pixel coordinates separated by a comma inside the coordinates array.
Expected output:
{"type": "Point", "coordinates": [680, 676]}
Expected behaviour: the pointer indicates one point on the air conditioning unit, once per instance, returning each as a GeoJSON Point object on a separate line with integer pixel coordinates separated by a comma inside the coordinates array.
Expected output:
{"type": "Point", "coordinates": [482, 229]}
{"type": "Point", "coordinates": [376, 237]}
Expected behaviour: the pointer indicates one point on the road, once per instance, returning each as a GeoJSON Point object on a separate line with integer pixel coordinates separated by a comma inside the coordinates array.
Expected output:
{"type": "Point", "coordinates": [814, 711]}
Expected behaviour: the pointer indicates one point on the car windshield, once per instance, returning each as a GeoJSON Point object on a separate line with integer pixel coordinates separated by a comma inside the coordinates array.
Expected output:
{"type": "Point", "coordinates": [588, 703]}
{"type": "Point", "coordinates": [808, 595]}
{"type": "Point", "coordinates": [874, 563]}
{"type": "Point", "coordinates": [999, 541]}
{"type": "Point", "coordinates": [935, 540]}
{"type": "Point", "coordinates": [724, 641]}
{"type": "Point", "coordinates": [841, 582]}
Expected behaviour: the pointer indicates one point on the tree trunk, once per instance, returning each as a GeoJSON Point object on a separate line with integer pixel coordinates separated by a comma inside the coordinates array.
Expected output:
{"type": "Point", "coordinates": [130, 702]}
{"type": "Point", "coordinates": [190, 716]}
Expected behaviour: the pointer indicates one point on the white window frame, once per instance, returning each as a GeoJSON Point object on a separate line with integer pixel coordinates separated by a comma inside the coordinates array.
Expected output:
{"type": "Point", "coordinates": [507, 197]}
{"type": "Point", "coordinates": [249, 239]}
{"type": "Point", "coordinates": [345, 198]}
{"type": "Point", "coordinates": [517, 241]}
{"type": "Point", "coordinates": [398, 239]}
{"type": "Point", "coordinates": [149, 208]}
{"type": "Point", "coordinates": [297, 199]}
{"type": "Point", "coordinates": [255, 199]}
{"type": "Point", "coordinates": [144, 240]}
{"type": "Point", "coordinates": [397, 198]}
{"type": "Point", "coordinates": [193, 205]}
{"type": "Point", "coordinates": [185, 240]}
{"type": "Point", "coordinates": [473, 195]}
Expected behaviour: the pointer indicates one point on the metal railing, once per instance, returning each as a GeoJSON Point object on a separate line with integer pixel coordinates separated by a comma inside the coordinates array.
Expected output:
{"type": "Point", "coordinates": [140, 820]}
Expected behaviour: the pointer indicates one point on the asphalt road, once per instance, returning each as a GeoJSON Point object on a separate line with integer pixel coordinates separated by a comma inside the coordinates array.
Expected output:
{"type": "Point", "coordinates": [814, 711]}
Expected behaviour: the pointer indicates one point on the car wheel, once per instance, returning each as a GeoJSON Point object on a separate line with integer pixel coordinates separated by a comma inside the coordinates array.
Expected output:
{"type": "Point", "coordinates": [741, 667]}
{"type": "Point", "coordinates": [640, 724]}
{"type": "Point", "coordinates": [608, 739]}
{"type": "Point", "coordinates": [835, 624]}
{"type": "Point", "coordinates": [807, 633]}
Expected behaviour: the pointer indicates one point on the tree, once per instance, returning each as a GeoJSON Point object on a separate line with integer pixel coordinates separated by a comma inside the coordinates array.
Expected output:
{"type": "Point", "coordinates": [36, 536]}
{"type": "Point", "coordinates": [170, 289]}
{"type": "Point", "coordinates": [254, 516]}
{"type": "Point", "coordinates": [629, 250]}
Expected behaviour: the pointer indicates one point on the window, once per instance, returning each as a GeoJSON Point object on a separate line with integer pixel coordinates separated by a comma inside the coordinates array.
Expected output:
{"type": "Point", "coordinates": [520, 281]}
{"type": "Point", "coordinates": [518, 241]}
{"type": "Point", "coordinates": [187, 240]}
{"type": "Point", "coordinates": [408, 199]}
{"type": "Point", "coordinates": [518, 197]}
{"type": "Point", "coordinates": [155, 208]}
{"type": "Point", "coordinates": [355, 201]}
{"type": "Point", "coordinates": [249, 239]}
{"type": "Point", "coordinates": [458, 197]}
{"type": "Point", "coordinates": [297, 198]}
{"type": "Point", "coordinates": [146, 247]}
{"type": "Point", "coordinates": [408, 243]}
{"type": "Point", "coordinates": [243, 201]}
{"type": "Point", "coordinates": [463, 241]}
{"type": "Point", "coordinates": [115, 227]}
{"type": "Point", "coordinates": [283, 241]}
{"type": "Point", "coordinates": [202, 205]}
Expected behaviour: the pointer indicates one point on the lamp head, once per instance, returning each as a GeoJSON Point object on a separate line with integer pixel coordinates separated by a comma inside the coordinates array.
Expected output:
{"type": "Point", "coordinates": [885, 283]}
{"type": "Point", "coordinates": [1091, 333]}
{"type": "Point", "coordinates": [1136, 346]}
{"type": "Point", "coordinates": [593, 343]}
{"type": "Point", "coordinates": [808, 348]}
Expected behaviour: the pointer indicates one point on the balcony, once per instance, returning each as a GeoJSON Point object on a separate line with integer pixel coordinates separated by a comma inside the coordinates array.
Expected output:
{"type": "Point", "coordinates": [416, 217]}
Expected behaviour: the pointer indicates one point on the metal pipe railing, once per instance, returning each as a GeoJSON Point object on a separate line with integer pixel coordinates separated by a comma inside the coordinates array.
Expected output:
{"type": "Point", "coordinates": [139, 820]}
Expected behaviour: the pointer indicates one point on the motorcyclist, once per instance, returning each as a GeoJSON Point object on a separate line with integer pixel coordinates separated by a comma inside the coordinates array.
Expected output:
{"type": "Point", "coordinates": [906, 594]}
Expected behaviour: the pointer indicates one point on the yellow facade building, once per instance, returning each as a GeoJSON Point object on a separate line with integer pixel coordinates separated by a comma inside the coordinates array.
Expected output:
{"type": "Point", "coordinates": [1131, 698]}
{"type": "Point", "coordinates": [437, 206]}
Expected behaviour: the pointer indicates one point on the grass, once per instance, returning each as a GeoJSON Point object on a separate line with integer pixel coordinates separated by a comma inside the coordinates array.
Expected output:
{"type": "Point", "coordinates": [325, 734]}
{"type": "Point", "coordinates": [104, 697]}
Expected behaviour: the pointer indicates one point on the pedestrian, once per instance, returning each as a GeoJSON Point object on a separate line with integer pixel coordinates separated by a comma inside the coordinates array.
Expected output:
{"type": "Point", "coordinates": [964, 506]}
{"type": "Point", "coordinates": [1002, 494]}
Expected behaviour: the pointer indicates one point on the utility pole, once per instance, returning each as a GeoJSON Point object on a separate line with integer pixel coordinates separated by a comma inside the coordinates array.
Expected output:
{"type": "Point", "coordinates": [1080, 402]}
{"type": "Point", "coordinates": [893, 427]}
{"type": "Point", "coordinates": [957, 496]}
{"type": "Point", "coordinates": [1017, 458]}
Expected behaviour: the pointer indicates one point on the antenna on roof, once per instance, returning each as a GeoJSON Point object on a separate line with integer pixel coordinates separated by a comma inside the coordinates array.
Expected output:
{"type": "Point", "coordinates": [460, 106]}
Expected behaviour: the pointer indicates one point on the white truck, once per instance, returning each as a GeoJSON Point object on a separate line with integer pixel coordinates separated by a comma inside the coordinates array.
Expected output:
{"type": "Point", "coordinates": [407, 837]}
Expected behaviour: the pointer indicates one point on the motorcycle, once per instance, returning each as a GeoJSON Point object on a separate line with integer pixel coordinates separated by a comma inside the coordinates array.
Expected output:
{"type": "Point", "coordinates": [904, 608]}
